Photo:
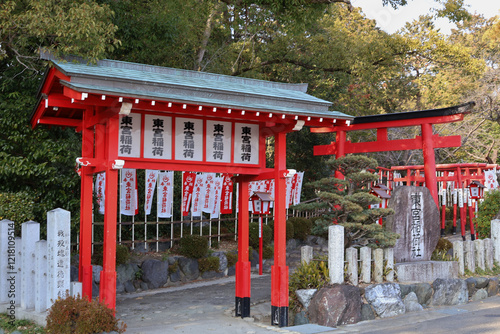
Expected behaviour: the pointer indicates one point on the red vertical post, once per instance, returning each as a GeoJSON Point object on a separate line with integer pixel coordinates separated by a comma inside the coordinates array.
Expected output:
{"type": "Point", "coordinates": [260, 245]}
{"type": "Point", "coordinates": [85, 266]}
{"type": "Point", "coordinates": [107, 292]}
{"type": "Point", "coordinates": [461, 204]}
{"type": "Point", "coordinates": [243, 268]}
{"type": "Point", "coordinates": [279, 271]}
{"type": "Point", "coordinates": [429, 161]}
{"type": "Point", "coordinates": [340, 138]}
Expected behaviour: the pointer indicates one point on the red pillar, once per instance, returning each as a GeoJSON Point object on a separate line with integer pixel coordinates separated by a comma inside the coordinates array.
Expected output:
{"type": "Point", "coordinates": [429, 161]}
{"type": "Point", "coordinates": [107, 293]}
{"type": "Point", "coordinates": [243, 267]}
{"type": "Point", "coordinates": [340, 140]}
{"type": "Point", "coordinates": [85, 266]}
{"type": "Point", "coordinates": [279, 271]}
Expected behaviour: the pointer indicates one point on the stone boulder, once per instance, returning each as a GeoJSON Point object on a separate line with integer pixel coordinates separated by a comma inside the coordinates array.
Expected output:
{"type": "Point", "coordinates": [335, 305]}
{"type": "Point", "coordinates": [126, 272]}
{"type": "Point", "coordinates": [416, 221]}
{"type": "Point", "coordinates": [449, 292]}
{"type": "Point", "coordinates": [367, 312]}
{"type": "Point", "coordinates": [385, 299]}
{"type": "Point", "coordinates": [96, 273]}
{"type": "Point", "coordinates": [411, 303]}
{"type": "Point", "coordinates": [305, 295]}
{"type": "Point", "coordinates": [423, 291]}
{"type": "Point", "coordinates": [189, 267]}
{"type": "Point", "coordinates": [154, 273]}
{"type": "Point", "coordinates": [222, 260]}
{"type": "Point", "coordinates": [492, 287]}
{"type": "Point", "coordinates": [479, 295]}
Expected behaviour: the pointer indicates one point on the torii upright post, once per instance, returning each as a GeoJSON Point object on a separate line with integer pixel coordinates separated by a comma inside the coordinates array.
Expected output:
{"type": "Point", "coordinates": [243, 268]}
{"type": "Point", "coordinates": [429, 161]}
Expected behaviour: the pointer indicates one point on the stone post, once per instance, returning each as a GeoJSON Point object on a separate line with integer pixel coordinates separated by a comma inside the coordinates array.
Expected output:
{"type": "Point", "coordinates": [336, 253]}
{"type": "Point", "coordinates": [479, 252]}
{"type": "Point", "coordinates": [41, 276]}
{"type": "Point", "coordinates": [58, 254]}
{"type": "Point", "coordinates": [366, 264]}
{"type": "Point", "coordinates": [30, 234]}
{"type": "Point", "coordinates": [495, 238]}
{"type": "Point", "coordinates": [378, 265]}
{"type": "Point", "coordinates": [5, 225]}
{"type": "Point", "coordinates": [17, 273]}
{"type": "Point", "coordinates": [351, 254]}
{"type": "Point", "coordinates": [488, 253]}
{"type": "Point", "coordinates": [470, 262]}
{"type": "Point", "coordinates": [306, 254]}
{"type": "Point", "coordinates": [389, 267]}
{"type": "Point", "coordinates": [458, 254]}
{"type": "Point", "coordinates": [76, 289]}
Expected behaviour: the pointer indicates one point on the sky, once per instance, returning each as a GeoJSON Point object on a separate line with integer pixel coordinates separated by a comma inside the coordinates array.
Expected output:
{"type": "Point", "coordinates": [391, 20]}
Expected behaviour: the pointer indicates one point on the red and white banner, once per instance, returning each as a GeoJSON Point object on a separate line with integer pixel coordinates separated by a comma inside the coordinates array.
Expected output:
{"type": "Point", "coordinates": [100, 187]}
{"type": "Point", "coordinates": [298, 188]}
{"type": "Point", "coordinates": [129, 201]}
{"type": "Point", "coordinates": [188, 179]}
{"type": "Point", "coordinates": [208, 195]}
{"type": "Point", "coordinates": [165, 194]}
{"type": "Point", "coordinates": [151, 177]}
{"type": "Point", "coordinates": [216, 197]}
{"type": "Point", "coordinates": [490, 179]}
{"type": "Point", "coordinates": [198, 194]}
{"type": "Point", "coordinates": [289, 193]}
{"type": "Point", "coordinates": [226, 205]}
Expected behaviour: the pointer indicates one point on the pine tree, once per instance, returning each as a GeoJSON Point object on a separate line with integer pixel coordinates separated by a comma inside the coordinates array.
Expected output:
{"type": "Point", "coordinates": [346, 202]}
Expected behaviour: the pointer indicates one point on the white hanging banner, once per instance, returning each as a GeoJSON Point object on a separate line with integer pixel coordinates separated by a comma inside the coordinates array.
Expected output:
{"type": "Point", "coordinates": [490, 179]}
{"type": "Point", "coordinates": [216, 197]}
{"type": "Point", "coordinates": [226, 205]}
{"type": "Point", "coordinates": [129, 136]}
{"type": "Point", "coordinates": [198, 194]}
{"type": "Point", "coordinates": [128, 196]}
{"type": "Point", "coordinates": [298, 188]}
{"type": "Point", "coordinates": [100, 187]}
{"type": "Point", "coordinates": [288, 191]}
{"type": "Point", "coordinates": [208, 195]}
{"type": "Point", "coordinates": [151, 177]}
{"type": "Point", "coordinates": [165, 194]}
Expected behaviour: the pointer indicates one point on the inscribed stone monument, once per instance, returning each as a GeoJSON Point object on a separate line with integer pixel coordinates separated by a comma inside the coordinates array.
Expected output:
{"type": "Point", "coordinates": [416, 220]}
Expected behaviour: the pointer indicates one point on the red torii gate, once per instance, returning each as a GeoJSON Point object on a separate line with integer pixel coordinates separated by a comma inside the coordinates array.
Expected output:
{"type": "Point", "coordinates": [115, 105]}
{"type": "Point", "coordinates": [427, 142]}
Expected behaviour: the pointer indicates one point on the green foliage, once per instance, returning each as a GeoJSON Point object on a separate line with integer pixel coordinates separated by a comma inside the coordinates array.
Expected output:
{"type": "Point", "coordinates": [267, 235]}
{"type": "Point", "coordinates": [440, 253]}
{"type": "Point", "coordinates": [267, 252]}
{"type": "Point", "coordinates": [21, 325]}
{"type": "Point", "coordinates": [487, 210]}
{"type": "Point", "coordinates": [307, 276]}
{"type": "Point", "coordinates": [81, 316]}
{"type": "Point", "coordinates": [301, 227]}
{"type": "Point", "coordinates": [210, 263]}
{"type": "Point", "coordinates": [17, 207]}
{"type": "Point", "coordinates": [232, 258]}
{"type": "Point", "coordinates": [122, 255]}
{"type": "Point", "coordinates": [193, 246]}
{"type": "Point", "coordinates": [172, 268]}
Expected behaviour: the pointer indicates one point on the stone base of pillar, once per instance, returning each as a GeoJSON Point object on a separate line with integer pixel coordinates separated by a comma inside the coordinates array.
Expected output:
{"type": "Point", "coordinates": [279, 316]}
{"type": "Point", "coordinates": [242, 308]}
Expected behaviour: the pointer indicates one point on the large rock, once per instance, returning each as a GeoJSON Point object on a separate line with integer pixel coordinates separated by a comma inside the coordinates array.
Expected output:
{"type": "Point", "coordinates": [305, 295]}
{"type": "Point", "coordinates": [189, 267]}
{"type": "Point", "coordinates": [416, 220]}
{"type": "Point", "coordinates": [423, 291]}
{"type": "Point", "coordinates": [385, 299]}
{"type": "Point", "coordinates": [96, 273]}
{"type": "Point", "coordinates": [411, 303]}
{"type": "Point", "coordinates": [493, 287]}
{"type": "Point", "coordinates": [222, 260]}
{"type": "Point", "coordinates": [126, 272]}
{"type": "Point", "coordinates": [479, 295]}
{"type": "Point", "coordinates": [154, 273]}
{"type": "Point", "coordinates": [335, 305]}
{"type": "Point", "coordinates": [449, 292]}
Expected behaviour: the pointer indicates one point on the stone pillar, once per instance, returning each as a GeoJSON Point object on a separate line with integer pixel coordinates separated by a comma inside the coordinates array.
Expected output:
{"type": "Point", "coordinates": [41, 276]}
{"type": "Point", "coordinates": [352, 265]}
{"type": "Point", "coordinates": [378, 265]}
{"type": "Point", "coordinates": [479, 252]}
{"type": "Point", "coordinates": [58, 254]}
{"type": "Point", "coordinates": [5, 227]}
{"type": "Point", "coordinates": [30, 234]}
{"type": "Point", "coordinates": [488, 253]}
{"type": "Point", "coordinates": [306, 254]}
{"type": "Point", "coordinates": [389, 267]}
{"type": "Point", "coordinates": [470, 262]}
{"type": "Point", "coordinates": [76, 289]}
{"type": "Point", "coordinates": [458, 253]}
{"type": "Point", "coordinates": [336, 253]}
{"type": "Point", "coordinates": [366, 264]}
{"type": "Point", "coordinates": [17, 274]}
{"type": "Point", "coordinates": [495, 238]}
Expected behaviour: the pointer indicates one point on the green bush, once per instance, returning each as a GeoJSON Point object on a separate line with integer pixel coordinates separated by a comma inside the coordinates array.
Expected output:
{"type": "Point", "coordinates": [232, 258]}
{"type": "Point", "coordinates": [301, 227]}
{"type": "Point", "coordinates": [267, 252]}
{"type": "Point", "coordinates": [267, 235]}
{"type": "Point", "coordinates": [17, 207]}
{"type": "Point", "coordinates": [307, 276]}
{"type": "Point", "coordinates": [290, 232]}
{"type": "Point", "coordinates": [122, 255]}
{"type": "Point", "coordinates": [487, 210]}
{"type": "Point", "coordinates": [210, 263]}
{"type": "Point", "coordinates": [193, 246]}
{"type": "Point", "coordinates": [81, 316]}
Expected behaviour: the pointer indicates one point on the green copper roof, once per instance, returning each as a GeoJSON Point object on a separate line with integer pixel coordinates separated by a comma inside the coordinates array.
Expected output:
{"type": "Point", "coordinates": [161, 83]}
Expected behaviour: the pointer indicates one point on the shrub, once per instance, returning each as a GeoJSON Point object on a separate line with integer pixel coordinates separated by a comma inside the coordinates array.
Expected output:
{"type": "Point", "coordinates": [81, 316]}
{"type": "Point", "coordinates": [232, 258]}
{"type": "Point", "coordinates": [486, 212]}
{"type": "Point", "coordinates": [122, 255]}
{"type": "Point", "coordinates": [441, 250]}
{"type": "Point", "coordinates": [301, 227]}
{"type": "Point", "coordinates": [17, 207]}
{"type": "Point", "coordinates": [267, 252]}
{"type": "Point", "coordinates": [307, 276]}
{"type": "Point", "coordinates": [193, 246]}
{"type": "Point", "coordinates": [267, 235]}
{"type": "Point", "coordinates": [210, 263]}
{"type": "Point", "coordinates": [290, 232]}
